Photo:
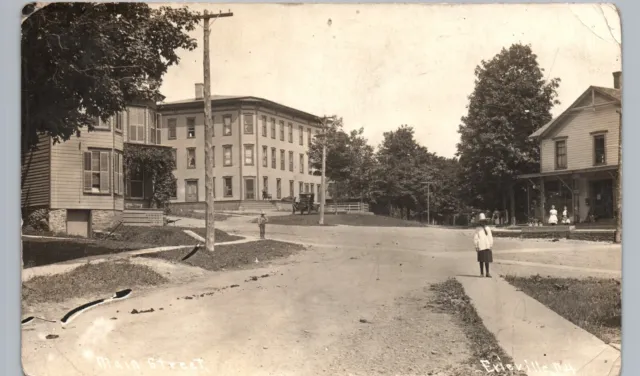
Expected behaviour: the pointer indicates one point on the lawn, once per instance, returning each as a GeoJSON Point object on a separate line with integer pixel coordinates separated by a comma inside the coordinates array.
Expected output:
{"type": "Point", "coordinates": [166, 235]}
{"type": "Point", "coordinates": [450, 298]}
{"type": "Point", "coordinates": [38, 251]}
{"type": "Point", "coordinates": [96, 280]}
{"type": "Point", "coordinates": [232, 256]}
{"type": "Point", "coordinates": [341, 219]}
{"type": "Point", "coordinates": [593, 304]}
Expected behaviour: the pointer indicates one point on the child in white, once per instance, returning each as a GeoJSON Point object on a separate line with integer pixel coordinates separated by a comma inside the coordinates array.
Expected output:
{"type": "Point", "coordinates": [483, 241]}
{"type": "Point", "coordinates": [553, 216]}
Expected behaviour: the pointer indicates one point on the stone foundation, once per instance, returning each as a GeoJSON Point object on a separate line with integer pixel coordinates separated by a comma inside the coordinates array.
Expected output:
{"type": "Point", "coordinates": [58, 221]}
{"type": "Point", "coordinates": [102, 220]}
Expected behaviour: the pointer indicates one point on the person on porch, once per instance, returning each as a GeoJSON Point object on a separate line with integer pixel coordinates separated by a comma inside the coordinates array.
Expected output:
{"type": "Point", "coordinates": [264, 193]}
{"type": "Point", "coordinates": [553, 216]}
{"type": "Point", "coordinates": [565, 216]}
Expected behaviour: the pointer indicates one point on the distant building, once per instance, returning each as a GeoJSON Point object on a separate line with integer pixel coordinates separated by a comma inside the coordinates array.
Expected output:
{"type": "Point", "coordinates": [259, 146]}
{"type": "Point", "coordinates": [79, 185]}
{"type": "Point", "coordinates": [579, 157]}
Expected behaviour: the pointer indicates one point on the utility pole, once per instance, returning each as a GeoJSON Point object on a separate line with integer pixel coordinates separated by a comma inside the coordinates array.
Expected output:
{"type": "Point", "coordinates": [324, 167]}
{"type": "Point", "coordinates": [208, 134]}
{"type": "Point", "coordinates": [429, 203]}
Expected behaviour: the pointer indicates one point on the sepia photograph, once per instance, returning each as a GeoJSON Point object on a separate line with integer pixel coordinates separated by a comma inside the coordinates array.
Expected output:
{"type": "Point", "coordinates": [321, 189]}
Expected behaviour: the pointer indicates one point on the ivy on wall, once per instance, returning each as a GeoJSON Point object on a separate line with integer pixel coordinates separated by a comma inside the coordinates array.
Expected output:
{"type": "Point", "coordinates": [157, 165]}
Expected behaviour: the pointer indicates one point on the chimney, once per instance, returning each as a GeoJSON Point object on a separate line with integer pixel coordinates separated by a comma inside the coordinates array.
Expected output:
{"type": "Point", "coordinates": [617, 80]}
{"type": "Point", "coordinates": [199, 91]}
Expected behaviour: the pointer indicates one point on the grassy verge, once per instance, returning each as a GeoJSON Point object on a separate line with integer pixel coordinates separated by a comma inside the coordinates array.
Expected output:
{"type": "Point", "coordinates": [221, 236]}
{"type": "Point", "coordinates": [342, 219]}
{"type": "Point", "coordinates": [593, 304]}
{"type": "Point", "coordinates": [38, 252]}
{"type": "Point", "coordinates": [88, 281]}
{"type": "Point", "coordinates": [197, 214]}
{"type": "Point", "coordinates": [232, 256]}
{"type": "Point", "coordinates": [595, 236]}
{"type": "Point", "coordinates": [450, 298]}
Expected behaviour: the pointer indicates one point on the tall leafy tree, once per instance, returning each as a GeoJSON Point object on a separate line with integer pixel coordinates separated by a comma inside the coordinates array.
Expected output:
{"type": "Point", "coordinates": [87, 60]}
{"type": "Point", "coordinates": [510, 101]}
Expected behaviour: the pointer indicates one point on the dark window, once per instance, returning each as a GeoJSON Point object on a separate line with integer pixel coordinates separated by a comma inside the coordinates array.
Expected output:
{"type": "Point", "coordinates": [561, 154]}
{"type": "Point", "coordinates": [191, 127]}
{"type": "Point", "coordinates": [599, 150]}
{"type": "Point", "coordinates": [172, 129]}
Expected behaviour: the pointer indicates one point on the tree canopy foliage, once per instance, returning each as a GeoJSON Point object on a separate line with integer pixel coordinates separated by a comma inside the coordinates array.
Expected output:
{"type": "Point", "coordinates": [157, 165]}
{"type": "Point", "coordinates": [511, 100]}
{"type": "Point", "coordinates": [86, 60]}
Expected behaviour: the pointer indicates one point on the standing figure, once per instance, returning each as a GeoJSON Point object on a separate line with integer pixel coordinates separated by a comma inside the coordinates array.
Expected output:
{"type": "Point", "coordinates": [262, 223]}
{"type": "Point", "coordinates": [565, 216]}
{"type": "Point", "coordinates": [496, 217]}
{"type": "Point", "coordinates": [483, 241]}
{"type": "Point", "coordinates": [553, 216]}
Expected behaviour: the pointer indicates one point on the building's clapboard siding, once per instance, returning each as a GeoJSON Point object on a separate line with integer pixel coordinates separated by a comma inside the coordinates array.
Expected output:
{"type": "Point", "coordinates": [35, 177]}
{"type": "Point", "coordinates": [578, 127]}
{"type": "Point", "coordinates": [67, 172]}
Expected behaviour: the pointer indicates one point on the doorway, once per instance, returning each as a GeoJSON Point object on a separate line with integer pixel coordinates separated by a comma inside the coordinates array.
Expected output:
{"type": "Point", "coordinates": [191, 191]}
{"type": "Point", "coordinates": [79, 223]}
{"type": "Point", "coordinates": [601, 199]}
{"type": "Point", "coordinates": [249, 188]}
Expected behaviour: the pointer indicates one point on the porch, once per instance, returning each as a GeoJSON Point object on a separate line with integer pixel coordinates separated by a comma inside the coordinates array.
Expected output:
{"type": "Point", "coordinates": [589, 195]}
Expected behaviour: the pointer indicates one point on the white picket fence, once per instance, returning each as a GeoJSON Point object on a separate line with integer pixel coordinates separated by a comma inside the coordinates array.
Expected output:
{"type": "Point", "coordinates": [347, 208]}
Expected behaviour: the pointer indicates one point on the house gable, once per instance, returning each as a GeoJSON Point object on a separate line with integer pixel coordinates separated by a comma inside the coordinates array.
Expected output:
{"type": "Point", "coordinates": [593, 113]}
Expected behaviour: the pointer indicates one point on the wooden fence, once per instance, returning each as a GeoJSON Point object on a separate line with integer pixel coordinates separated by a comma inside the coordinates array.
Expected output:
{"type": "Point", "coordinates": [357, 207]}
{"type": "Point", "coordinates": [143, 217]}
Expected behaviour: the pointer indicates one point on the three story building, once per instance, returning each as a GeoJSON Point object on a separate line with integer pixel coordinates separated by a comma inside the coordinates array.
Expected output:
{"type": "Point", "coordinates": [260, 149]}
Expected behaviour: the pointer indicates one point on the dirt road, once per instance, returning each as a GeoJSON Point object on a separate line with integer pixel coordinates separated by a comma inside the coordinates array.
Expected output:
{"type": "Point", "coordinates": [354, 303]}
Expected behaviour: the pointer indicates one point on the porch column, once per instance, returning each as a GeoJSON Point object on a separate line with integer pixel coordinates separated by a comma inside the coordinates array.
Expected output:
{"type": "Point", "coordinates": [542, 199]}
{"type": "Point", "coordinates": [528, 202]}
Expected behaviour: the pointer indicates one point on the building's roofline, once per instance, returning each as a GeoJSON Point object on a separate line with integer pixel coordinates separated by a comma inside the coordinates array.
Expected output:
{"type": "Point", "coordinates": [614, 94]}
{"type": "Point", "coordinates": [224, 99]}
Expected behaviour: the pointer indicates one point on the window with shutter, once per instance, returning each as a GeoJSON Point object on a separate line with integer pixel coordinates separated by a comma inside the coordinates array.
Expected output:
{"type": "Point", "coordinates": [158, 129]}
{"type": "Point", "coordinates": [282, 160]}
{"type": "Point", "coordinates": [302, 163]}
{"type": "Point", "coordinates": [264, 126]}
{"type": "Point", "coordinates": [281, 130]}
{"type": "Point", "coordinates": [137, 121]}
{"type": "Point", "coordinates": [265, 157]}
{"type": "Point", "coordinates": [278, 189]}
{"type": "Point", "coordinates": [290, 132]}
{"type": "Point", "coordinates": [96, 172]}
{"type": "Point", "coordinates": [119, 119]}
{"type": "Point", "coordinates": [191, 158]}
{"type": "Point", "coordinates": [291, 161]}
{"type": "Point", "coordinates": [290, 188]}
{"type": "Point", "coordinates": [273, 157]}
{"type": "Point", "coordinates": [273, 128]}
{"type": "Point", "coordinates": [301, 135]}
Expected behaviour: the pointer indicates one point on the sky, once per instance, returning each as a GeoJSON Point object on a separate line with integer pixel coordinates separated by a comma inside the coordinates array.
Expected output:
{"type": "Point", "coordinates": [379, 66]}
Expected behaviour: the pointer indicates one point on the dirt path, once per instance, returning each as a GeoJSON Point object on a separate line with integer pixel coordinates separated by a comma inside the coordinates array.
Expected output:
{"type": "Point", "coordinates": [354, 306]}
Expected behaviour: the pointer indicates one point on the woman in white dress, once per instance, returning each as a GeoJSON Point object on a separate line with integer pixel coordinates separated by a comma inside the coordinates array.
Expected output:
{"type": "Point", "coordinates": [553, 216]}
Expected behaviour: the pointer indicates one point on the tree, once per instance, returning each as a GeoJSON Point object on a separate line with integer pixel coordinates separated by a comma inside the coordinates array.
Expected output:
{"type": "Point", "coordinates": [86, 60]}
{"type": "Point", "coordinates": [338, 157]}
{"type": "Point", "coordinates": [510, 101]}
